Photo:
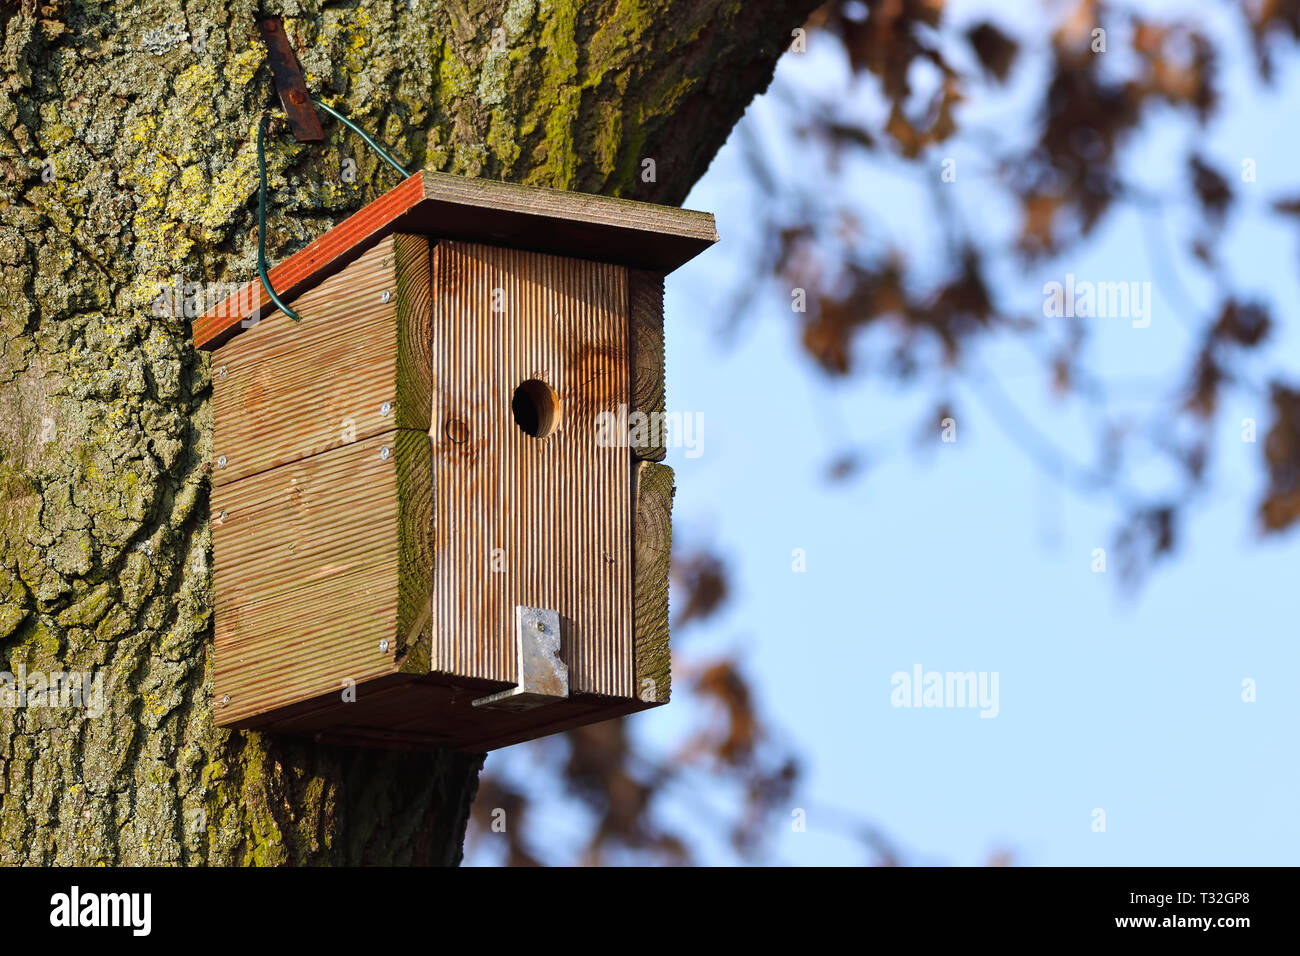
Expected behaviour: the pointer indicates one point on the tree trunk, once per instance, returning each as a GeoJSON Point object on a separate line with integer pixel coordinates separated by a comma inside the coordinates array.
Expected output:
{"type": "Point", "coordinates": [128, 158]}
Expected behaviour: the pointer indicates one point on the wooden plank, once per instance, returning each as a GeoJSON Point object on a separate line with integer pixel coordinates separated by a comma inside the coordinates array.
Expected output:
{"type": "Point", "coordinates": [444, 206]}
{"type": "Point", "coordinates": [286, 390]}
{"type": "Point", "coordinates": [415, 532]}
{"type": "Point", "coordinates": [412, 278]}
{"type": "Point", "coordinates": [652, 553]}
{"type": "Point", "coordinates": [406, 713]}
{"type": "Point", "coordinates": [577, 225]}
{"type": "Point", "coordinates": [645, 293]}
{"type": "Point", "coordinates": [312, 568]}
{"type": "Point", "coordinates": [538, 522]}
{"type": "Point", "coordinates": [486, 196]}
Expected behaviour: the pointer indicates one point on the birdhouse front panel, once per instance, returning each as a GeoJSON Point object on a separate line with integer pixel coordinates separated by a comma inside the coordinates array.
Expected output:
{"type": "Point", "coordinates": [431, 527]}
{"type": "Point", "coordinates": [533, 508]}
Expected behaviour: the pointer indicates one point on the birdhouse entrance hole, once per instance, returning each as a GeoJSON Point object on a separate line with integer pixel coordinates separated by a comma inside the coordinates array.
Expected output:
{"type": "Point", "coordinates": [536, 408]}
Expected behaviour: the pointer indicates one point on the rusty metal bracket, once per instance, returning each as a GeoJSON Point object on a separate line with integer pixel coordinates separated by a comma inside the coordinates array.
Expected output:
{"type": "Point", "coordinates": [289, 83]}
{"type": "Point", "coordinates": [543, 676]}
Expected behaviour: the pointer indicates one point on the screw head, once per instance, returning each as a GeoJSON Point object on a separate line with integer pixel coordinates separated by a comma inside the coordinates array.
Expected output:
{"type": "Point", "coordinates": [385, 408]}
{"type": "Point", "coordinates": [385, 295]}
{"type": "Point", "coordinates": [223, 516]}
{"type": "Point", "coordinates": [383, 646]}
{"type": "Point", "coordinates": [383, 453]}
{"type": "Point", "coordinates": [221, 462]}
{"type": "Point", "coordinates": [221, 372]}
{"type": "Point", "coordinates": [226, 699]}
{"type": "Point", "coordinates": [541, 626]}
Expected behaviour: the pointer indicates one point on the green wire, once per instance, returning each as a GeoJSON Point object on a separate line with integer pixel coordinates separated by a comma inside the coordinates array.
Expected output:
{"type": "Point", "coordinates": [261, 194]}
{"type": "Point", "coordinates": [261, 222]}
{"type": "Point", "coordinates": [383, 153]}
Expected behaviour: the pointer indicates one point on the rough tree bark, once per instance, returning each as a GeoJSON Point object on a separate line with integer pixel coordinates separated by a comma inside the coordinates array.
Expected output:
{"type": "Point", "coordinates": [127, 157]}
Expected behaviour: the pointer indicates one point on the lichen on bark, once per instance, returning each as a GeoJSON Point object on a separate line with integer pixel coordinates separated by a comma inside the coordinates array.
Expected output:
{"type": "Point", "coordinates": [128, 164]}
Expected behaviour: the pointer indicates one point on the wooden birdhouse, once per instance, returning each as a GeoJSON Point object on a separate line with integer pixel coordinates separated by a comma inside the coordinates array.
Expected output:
{"type": "Point", "coordinates": [420, 537]}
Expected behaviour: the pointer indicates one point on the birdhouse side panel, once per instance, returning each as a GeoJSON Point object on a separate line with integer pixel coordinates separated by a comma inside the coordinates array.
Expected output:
{"type": "Point", "coordinates": [646, 355]}
{"type": "Point", "coordinates": [355, 365]}
{"type": "Point", "coordinates": [313, 575]}
{"type": "Point", "coordinates": [532, 481]}
{"type": "Point", "coordinates": [653, 538]}
{"type": "Point", "coordinates": [322, 496]}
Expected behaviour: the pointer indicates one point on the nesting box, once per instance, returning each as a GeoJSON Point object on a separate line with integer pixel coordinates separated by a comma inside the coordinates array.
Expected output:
{"type": "Point", "coordinates": [423, 535]}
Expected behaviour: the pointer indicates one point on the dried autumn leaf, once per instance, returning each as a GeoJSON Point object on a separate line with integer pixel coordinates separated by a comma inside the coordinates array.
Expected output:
{"type": "Point", "coordinates": [703, 577]}
{"type": "Point", "coordinates": [996, 50]}
{"type": "Point", "coordinates": [1211, 189]}
{"type": "Point", "coordinates": [1242, 323]}
{"type": "Point", "coordinates": [1281, 504]}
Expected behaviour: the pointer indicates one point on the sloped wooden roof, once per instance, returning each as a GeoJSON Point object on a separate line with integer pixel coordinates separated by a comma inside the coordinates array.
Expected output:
{"type": "Point", "coordinates": [444, 206]}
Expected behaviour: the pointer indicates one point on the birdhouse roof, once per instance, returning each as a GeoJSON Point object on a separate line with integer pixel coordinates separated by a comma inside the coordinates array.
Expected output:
{"type": "Point", "coordinates": [443, 206]}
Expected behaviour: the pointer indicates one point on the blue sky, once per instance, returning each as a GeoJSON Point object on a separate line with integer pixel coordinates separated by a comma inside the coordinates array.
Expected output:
{"type": "Point", "coordinates": [968, 557]}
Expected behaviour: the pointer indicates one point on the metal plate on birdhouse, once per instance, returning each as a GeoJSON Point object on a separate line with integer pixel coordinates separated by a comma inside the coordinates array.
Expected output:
{"type": "Point", "coordinates": [543, 675]}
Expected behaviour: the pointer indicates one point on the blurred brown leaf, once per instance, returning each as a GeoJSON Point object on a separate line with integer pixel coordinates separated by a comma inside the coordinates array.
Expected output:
{"type": "Point", "coordinates": [1281, 505]}
{"type": "Point", "coordinates": [703, 577]}
{"type": "Point", "coordinates": [996, 50]}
